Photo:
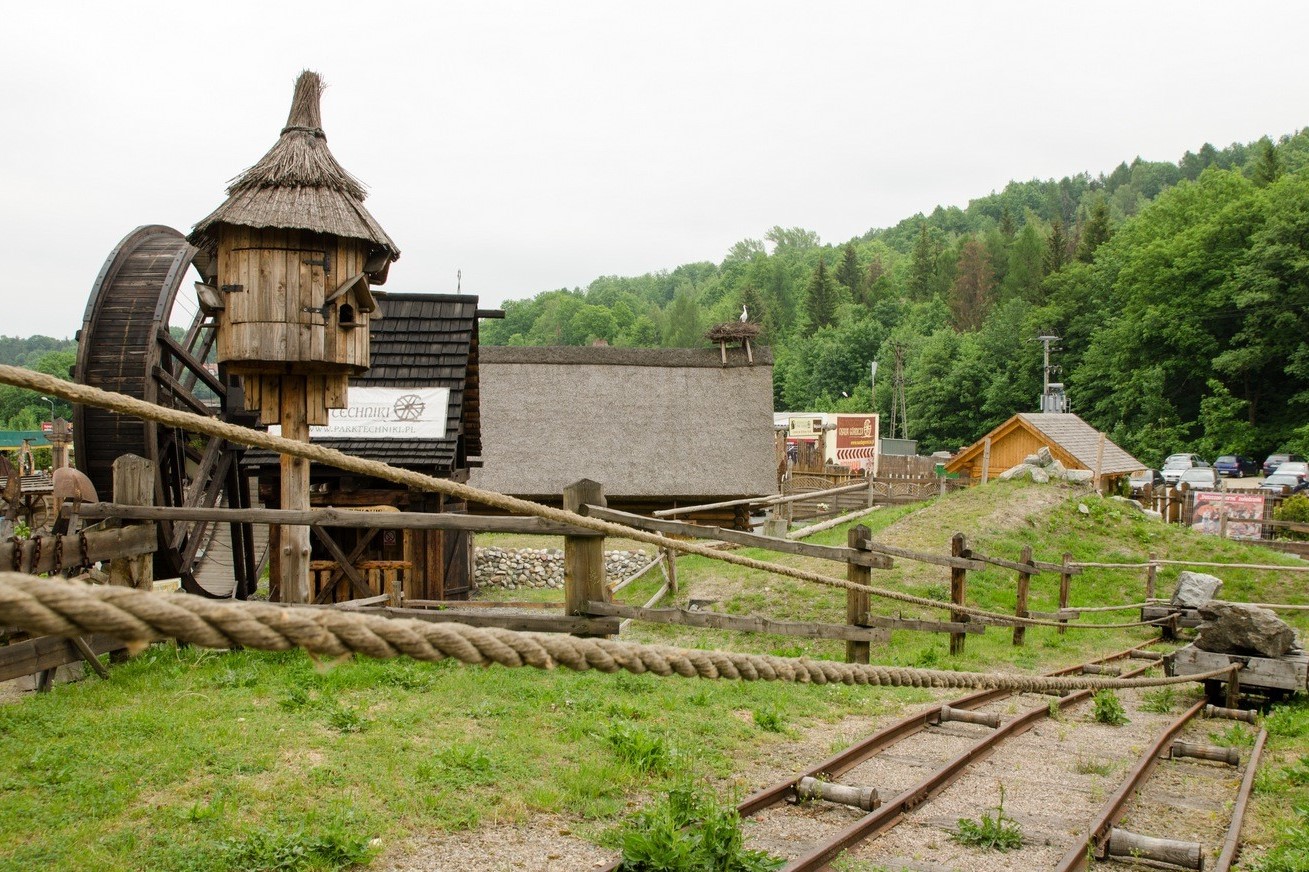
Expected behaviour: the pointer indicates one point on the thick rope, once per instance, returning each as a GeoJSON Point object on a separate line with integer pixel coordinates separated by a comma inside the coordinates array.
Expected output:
{"type": "Point", "coordinates": [122, 404]}
{"type": "Point", "coordinates": [71, 608]}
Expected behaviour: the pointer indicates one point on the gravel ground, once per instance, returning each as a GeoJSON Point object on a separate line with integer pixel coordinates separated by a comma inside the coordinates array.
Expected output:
{"type": "Point", "coordinates": [1053, 784]}
{"type": "Point", "coordinates": [1189, 800]}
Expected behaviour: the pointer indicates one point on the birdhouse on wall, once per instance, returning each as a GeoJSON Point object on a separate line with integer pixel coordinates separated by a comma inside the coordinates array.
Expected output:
{"type": "Point", "coordinates": [295, 253]}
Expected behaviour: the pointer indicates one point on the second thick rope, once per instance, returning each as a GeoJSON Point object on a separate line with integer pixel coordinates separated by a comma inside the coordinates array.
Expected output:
{"type": "Point", "coordinates": [76, 609]}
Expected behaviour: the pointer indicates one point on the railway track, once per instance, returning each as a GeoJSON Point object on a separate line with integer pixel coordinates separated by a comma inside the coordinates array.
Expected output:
{"type": "Point", "coordinates": [894, 800]}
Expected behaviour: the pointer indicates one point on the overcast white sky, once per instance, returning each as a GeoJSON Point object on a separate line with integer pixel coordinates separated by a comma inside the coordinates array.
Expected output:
{"type": "Point", "coordinates": [538, 145]}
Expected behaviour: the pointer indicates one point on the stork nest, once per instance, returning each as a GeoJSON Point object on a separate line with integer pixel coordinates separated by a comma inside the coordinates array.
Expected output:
{"type": "Point", "coordinates": [733, 331]}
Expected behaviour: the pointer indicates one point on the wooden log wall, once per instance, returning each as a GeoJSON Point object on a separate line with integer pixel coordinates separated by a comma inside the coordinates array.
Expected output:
{"type": "Point", "coordinates": [274, 286]}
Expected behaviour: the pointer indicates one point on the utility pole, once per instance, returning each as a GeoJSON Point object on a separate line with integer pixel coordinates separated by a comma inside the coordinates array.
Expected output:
{"type": "Point", "coordinates": [1045, 340]}
{"type": "Point", "coordinates": [1057, 401]}
{"type": "Point", "coordinates": [899, 413]}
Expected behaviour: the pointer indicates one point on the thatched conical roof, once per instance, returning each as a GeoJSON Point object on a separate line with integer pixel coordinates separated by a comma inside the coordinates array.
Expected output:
{"type": "Point", "coordinates": [298, 184]}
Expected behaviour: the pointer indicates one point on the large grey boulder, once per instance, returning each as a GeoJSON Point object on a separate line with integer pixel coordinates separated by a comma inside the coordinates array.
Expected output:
{"type": "Point", "coordinates": [1238, 628]}
{"type": "Point", "coordinates": [1194, 589]}
{"type": "Point", "coordinates": [1040, 476]}
{"type": "Point", "coordinates": [1043, 456]}
{"type": "Point", "coordinates": [1016, 472]}
{"type": "Point", "coordinates": [1057, 469]}
{"type": "Point", "coordinates": [1079, 476]}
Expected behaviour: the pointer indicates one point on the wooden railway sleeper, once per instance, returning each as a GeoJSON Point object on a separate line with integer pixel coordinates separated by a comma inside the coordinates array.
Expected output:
{"type": "Point", "coordinates": [1100, 669]}
{"type": "Point", "coordinates": [1230, 756]}
{"type": "Point", "coordinates": [985, 719]}
{"type": "Point", "coordinates": [1122, 843]}
{"type": "Point", "coordinates": [865, 798]}
{"type": "Point", "coordinates": [1232, 714]}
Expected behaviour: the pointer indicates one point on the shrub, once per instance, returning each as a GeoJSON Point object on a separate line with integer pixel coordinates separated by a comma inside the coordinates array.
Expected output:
{"type": "Point", "coordinates": [688, 829]}
{"type": "Point", "coordinates": [1107, 708]}
{"type": "Point", "coordinates": [997, 832]}
{"type": "Point", "coordinates": [1293, 508]}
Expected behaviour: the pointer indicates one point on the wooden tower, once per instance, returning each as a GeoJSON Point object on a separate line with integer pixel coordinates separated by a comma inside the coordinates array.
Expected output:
{"type": "Point", "coordinates": [296, 253]}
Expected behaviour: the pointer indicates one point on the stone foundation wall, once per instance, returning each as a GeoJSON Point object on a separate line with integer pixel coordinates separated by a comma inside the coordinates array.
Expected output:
{"type": "Point", "coordinates": [512, 568]}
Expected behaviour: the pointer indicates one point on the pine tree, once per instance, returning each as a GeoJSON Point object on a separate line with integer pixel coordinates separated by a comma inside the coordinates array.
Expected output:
{"type": "Point", "coordinates": [1095, 232]}
{"type": "Point", "coordinates": [1056, 251]}
{"type": "Point", "coordinates": [820, 298]}
{"type": "Point", "coordinates": [1007, 225]}
{"type": "Point", "coordinates": [922, 265]}
{"type": "Point", "coordinates": [872, 275]}
{"type": "Point", "coordinates": [1265, 166]}
{"type": "Point", "coordinates": [848, 273]}
{"type": "Point", "coordinates": [972, 293]}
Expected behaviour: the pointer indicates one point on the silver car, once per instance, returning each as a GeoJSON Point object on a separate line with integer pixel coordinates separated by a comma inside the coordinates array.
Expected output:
{"type": "Point", "coordinates": [1176, 464]}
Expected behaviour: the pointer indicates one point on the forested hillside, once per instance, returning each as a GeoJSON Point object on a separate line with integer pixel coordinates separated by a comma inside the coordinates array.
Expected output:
{"type": "Point", "coordinates": [1179, 291]}
{"type": "Point", "coordinates": [25, 410]}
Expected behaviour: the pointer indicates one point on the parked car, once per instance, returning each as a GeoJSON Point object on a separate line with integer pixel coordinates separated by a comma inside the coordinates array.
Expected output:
{"type": "Point", "coordinates": [1176, 464]}
{"type": "Point", "coordinates": [1294, 467]}
{"type": "Point", "coordinates": [1137, 482]}
{"type": "Point", "coordinates": [1276, 460]}
{"type": "Point", "coordinates": [1201, 478]}
{"type": "Point", "coordinates": [1284, 483]}
{"type": "Point", "coordinates": [1236, 465]}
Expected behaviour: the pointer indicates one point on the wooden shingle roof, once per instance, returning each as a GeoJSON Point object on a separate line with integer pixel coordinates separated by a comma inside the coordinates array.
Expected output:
{"type": "Point", "coordinates": [1082, 441]}
{"type": "Point", "coordinates": [422, 340]}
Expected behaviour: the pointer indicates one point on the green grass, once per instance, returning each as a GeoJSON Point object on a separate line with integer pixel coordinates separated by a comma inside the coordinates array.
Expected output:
{"type": "Point", "coordinates": [198, 760]}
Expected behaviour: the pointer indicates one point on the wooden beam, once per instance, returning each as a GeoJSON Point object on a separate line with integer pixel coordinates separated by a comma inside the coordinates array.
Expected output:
{"type": "Point", "coordinates": [751, 540]}
{"type": "Point", "coordinates": [48, 652]}
{"type": "Point", "coordinates": [744, 623]}
{"type": "Point", "coordinates": [936, 559]}
{"type": "Point", "coordinates": [480, 604]}
{"type": "Point", "coordinates": [329, 517]}
{"type": "Point", "coordinates": [112, 544]}
{"type": "Point", "coordinates": [526, 623]}
{"type": "Point", "coordinates": [346, 565]}
{"type": "Point", "coordinates": [175, 348]}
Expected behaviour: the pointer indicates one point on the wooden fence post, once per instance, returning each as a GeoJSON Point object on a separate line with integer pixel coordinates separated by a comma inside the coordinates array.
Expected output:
{"type": "Point", "coordinates": [670, 564]}
{"type": "Point", "coordinates": [1065, 584]}
{"type": "Point", "coordinates": [584, 555]}
{"type": "Point", "coordinates": [134, 485]}
{"type": "Point", "coordinates": [986, 460]}
{"type": "Point", "coordinates": [1020, 601]}
{"type": "Point", "coordinates": [1151, 577]}
{"type": "Point", "coordinates": [857, 601]}
{"type": "Point", "coordinates": [958, 589]}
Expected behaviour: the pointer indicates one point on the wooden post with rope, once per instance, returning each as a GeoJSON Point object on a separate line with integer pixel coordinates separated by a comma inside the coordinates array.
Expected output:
{"type": "Point", "coordinates": [584, 554]}
{"type": "Point", "coordinates": [134, 485]}
{"type": "Point", "coordinates": [1020, 599]}
{"type": "Point", "coordinates": [958, 591]}
{"type": "Point", "coordinates": [857, 601]}
{"type": "Point", "coordinates": [1065, 585]}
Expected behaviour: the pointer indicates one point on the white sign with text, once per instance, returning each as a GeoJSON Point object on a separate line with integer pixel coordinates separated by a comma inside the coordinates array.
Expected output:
{"type": "Point", "coordinates": [386, 413]}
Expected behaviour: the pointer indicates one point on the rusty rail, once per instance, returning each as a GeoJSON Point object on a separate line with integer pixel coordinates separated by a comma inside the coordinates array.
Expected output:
{"type": "Point", "coordinates": [1078, 855]}
{"type": "Point", "coordinates": [1233, 841]}
{"type": "Point", "coordinates": [893, 811]}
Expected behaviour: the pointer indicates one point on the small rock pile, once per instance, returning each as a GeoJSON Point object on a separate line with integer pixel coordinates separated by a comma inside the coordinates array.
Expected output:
{"type": "Point", "coordinates": [1042, 468]}
{"type": "Point", "coordinates": [512, 568]}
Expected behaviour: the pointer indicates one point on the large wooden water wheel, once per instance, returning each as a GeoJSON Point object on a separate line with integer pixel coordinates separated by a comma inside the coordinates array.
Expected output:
{"type": "Point", "coordinates": [141, 338]}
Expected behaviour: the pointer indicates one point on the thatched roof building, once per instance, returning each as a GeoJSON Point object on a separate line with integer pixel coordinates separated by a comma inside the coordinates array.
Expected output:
{"type": "Point", "coordinates": [299, 185]}
{"type": "Point", "coordinates": [654, 426]}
